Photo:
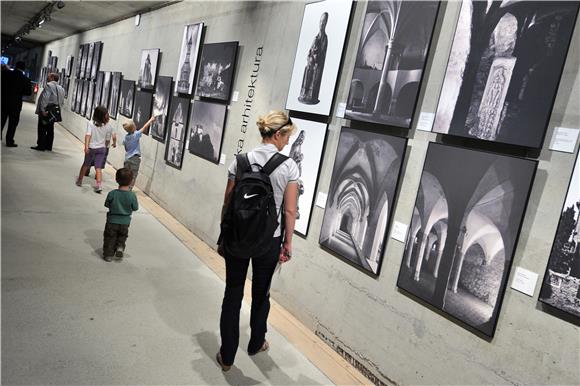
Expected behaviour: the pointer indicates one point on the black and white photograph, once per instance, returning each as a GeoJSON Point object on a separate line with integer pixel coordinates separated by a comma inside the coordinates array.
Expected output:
{"type": "Point", "coordinates": [392, 52]}
{"type": "Point", "coordinates": [79, 95]}
{"type": "Point", "coordinates": [106, 93]}
{"type": "Point", "coordinates": [216, 70]}
{"type": "Point", "coordinates": [177, 127]}
{"type": "Point", "coordinates": [66, 86]}
{"type": "Point", "coordinates": [504, 69]}
{"type": "Point", "coordinates": [464, 229]}
{"type": "Point", "coordinates": [98, 89]}
{"type": "Point", "coordinates": [188, 56]}
{"type": "Point", "coordinates": [318, 56]}
{"type": "Point", "coordinates": [79, 61]}
{"type": "Point", "coordinates": [148, 69]}
{"type": "Point", "coordinates": [89, 64]}
{"type": "Point", "coordinates": [90, 97]}
{"type": "Point", "coordinates": [126, 98]}
{"type": "Point", "coordinates": [69, 65]}
{"type": "Point", "coordinates": [84, 97]}
{"type": "Point", "coordinates": [306, 147]}
{"type": "Point", "coordinates": [142, 108]}
{"type": "Point", "coordinates": [96, 61]}
{"type": "Point", "coordinates": [361, 197]}
{"type": "Point", "coordinates": [73, 99]}
{"type": "Point", "coordinates": [115, 91]}
{"type": "Point", "coordinates": [161, 99]}
{"type": "Point", "coordinates": [207, 123]}
{"type": "Point", "coordinates": [561, 284]}
{"type": "Point", "coordinates": [54, 63]}
{"type": "Point", "coordinates": [84, 60]}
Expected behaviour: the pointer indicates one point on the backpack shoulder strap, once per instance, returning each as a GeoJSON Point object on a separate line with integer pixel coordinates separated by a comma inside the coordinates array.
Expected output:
{"type": "Point", "coordinates": [242, 164]}
{"type": "Point", "coordinates": [274, 162]}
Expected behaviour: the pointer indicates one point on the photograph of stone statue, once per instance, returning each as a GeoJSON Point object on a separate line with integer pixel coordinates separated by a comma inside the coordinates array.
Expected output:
{"type": "Point", "coordinates": [187, 65]}
{"type": "Point", "coordinates": [362, 197]}
{"type": "Point", "coordinates": [306, 147]}
{"type": "Point", "coordinates": [126, 98]}
{"type": "Point", "coordinates": [561, 284]}
{"type": "Point", "coordinates": [89, 63]}
{"type": "Point", "coordinates": [504, 70]}
{"type": "Point", "coordinates": [177, 126]}
{"type": "Point", "coordinates": [90, 96]}
{"type": "Point", "coordinates": [207, 123]}
{"type": "Point", "coordinates": [393, 48]}
{"type": "Point", "coordinates": [142, 108]}
{"type": "Point", "coordinates": [98, 89]}
{"type": "Point", "coordinates": [148, 69]}
{"type": "Point", "coordinates": [115, 92]}
{"type": "Point", "coordinates": [216, 70]}
{"type": "Point", "coordinates": [96, 60]}
{"type": "Point", "coordinates": [161, 100]}
{"type": "Point", "coordinates": [464, 229]}
{"type": "Point", "coordinates": [79, 61]}
{"type": "Point", "coordinates": [318, 56]}
{"type": "Point", "coordinates": [106, 93]}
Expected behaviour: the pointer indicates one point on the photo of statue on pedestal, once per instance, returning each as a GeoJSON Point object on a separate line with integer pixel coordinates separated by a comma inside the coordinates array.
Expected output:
{"type": "Point", "coordinates": [190, 45]}
{"type": "Point", "coordinates": [216, 70]}
{"type": "Point", "coordinates": [148, 68]}
{"type": "Point", "coordinates": [318, 56]}
{"type": "Point", "coordinates": [177, 121]}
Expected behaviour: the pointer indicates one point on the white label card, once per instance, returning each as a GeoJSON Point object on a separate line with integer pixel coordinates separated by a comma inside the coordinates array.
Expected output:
{"type": "Point", "coordinates": [399, 231]}
{"type": "Point", "coordinates": [340, 110]}
{"type": "Point", "coordinates": [425, 122]}
{"type": "Point", "coordinates": [321, 200]}
{"type": "Point", "coordinates": [525, 281]}
{"type": "Point", "coordinates": [564, 139]}
{"type": "Point", "coordinates": [223, 159]}
{"type": "Point", "coordinates": [235, 96]}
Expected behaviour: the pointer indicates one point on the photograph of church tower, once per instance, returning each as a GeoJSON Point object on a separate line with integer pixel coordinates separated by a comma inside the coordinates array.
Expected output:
{"type": "Point", "coordinates": [188, 58]}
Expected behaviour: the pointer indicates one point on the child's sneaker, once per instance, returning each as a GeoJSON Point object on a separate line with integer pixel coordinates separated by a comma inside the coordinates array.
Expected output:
{"type": "Point", "coordinates": [119, 253]}
{"type": "Point", "coordinates": [98, 188]}
{"type": "Point", "coordinates": [108, 259]}
{"type": "Point", "coordinates": [79, 182]}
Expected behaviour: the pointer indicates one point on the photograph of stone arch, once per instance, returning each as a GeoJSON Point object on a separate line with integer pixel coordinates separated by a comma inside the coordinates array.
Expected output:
{"type": "Point", "coordinates": [161, 100]}
{"type": "Point", "coordinates": [216, 70]}
{"type": "Point", "coordinates": [465, 225]}
{"type": "Point", "coordinates": [126, 98]}
{"type": "Point", "coordinates": [142, 108]}
{"type": "Point", "coordinates": [187, 65]}
{"type": "Point", "coordinates": [318, 56]}
{"type": "Point", "coordinates": [561, 284]}
{"type": "Point", "coordinates": [504, 70]}
{"type": "Point", "coordinates": [361, 196]}
{"type": "Point", "coordinates": [177, 121]}
{"type": "Point", "coordinates": [148, 68]}
{"type": "Point", "coordinates": [393, 49]}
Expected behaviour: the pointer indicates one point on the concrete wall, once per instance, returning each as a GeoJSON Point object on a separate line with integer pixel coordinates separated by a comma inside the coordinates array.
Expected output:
{"type": "Point", "coordinates": [365, 318]}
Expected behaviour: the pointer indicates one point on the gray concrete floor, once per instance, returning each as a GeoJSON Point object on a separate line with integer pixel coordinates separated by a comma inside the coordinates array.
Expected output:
{"type": "Point", "coordinates": [69, 318]}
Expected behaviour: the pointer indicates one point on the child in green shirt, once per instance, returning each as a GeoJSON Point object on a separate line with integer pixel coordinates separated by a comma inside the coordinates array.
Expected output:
{"type": "Point", "coordinates": [121, 203]}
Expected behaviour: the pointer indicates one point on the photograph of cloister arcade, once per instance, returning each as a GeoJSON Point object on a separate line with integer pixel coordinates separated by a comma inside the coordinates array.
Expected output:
{"type": "Point", "coordinates": [464, 229]}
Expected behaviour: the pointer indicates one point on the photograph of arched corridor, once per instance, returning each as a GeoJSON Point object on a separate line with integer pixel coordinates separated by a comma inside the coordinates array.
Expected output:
{"type": "Point", "coordinates": [361, 196]}
{"type": "Point", "coordinates": [464, 230]}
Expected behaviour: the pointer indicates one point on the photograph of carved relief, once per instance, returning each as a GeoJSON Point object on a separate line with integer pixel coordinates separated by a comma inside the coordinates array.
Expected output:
{"type": "Point", "coordinates": [142, 108]}
{"type": "Point", "coordinates": [306, 147]}
{"type": "Point", "coordinates": [561, 285]}
{"type": "Point", "coordinates": [96, 60]}
{"type": "Point", "coordinates": [106, 93]}
{"type": "Point", "coordinates": [148, 68]}
{"type": "Point", "coordinates": [464, 230]}
{"type": "Point", "coordinates": [177, 121]}
{"type": "Point", "coordinates": [216, 70]}
{"type": "Point", "coordinates": [361, 197]}
{"type": "Point", "coordinates": [115, 92]}
{"type": "Point", "coordinates": [206, 131]}
{"type": "Point", "coordinates": [318, 56]}
{"type": "Point", "coordinates": [90, 96]}
{"type": "Point", "coordinates": [504, 70]}
{"type": "Point", "coordinates": [161, 100]}
{"type": "Point", "coordinates": [98, 89]}
{"type": "Point", "coordinates": [126, 99]}
{"type": "Point", "coordinates": [188, 58]}
{"type": "Point", "coordinates": [393, 48]}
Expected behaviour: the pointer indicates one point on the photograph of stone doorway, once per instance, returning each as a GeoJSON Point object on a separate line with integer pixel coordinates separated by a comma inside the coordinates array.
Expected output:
{"type": "Point", "coordinates": [504, 70]}
{"type": "Point", "coordinates": [188, 58]}
{"type": "Point", "coordinates": [361, 196]}
{"type": "Point", "coordinates": [464, 230]}
{"type": "Point", "coordinates": [393, 49]}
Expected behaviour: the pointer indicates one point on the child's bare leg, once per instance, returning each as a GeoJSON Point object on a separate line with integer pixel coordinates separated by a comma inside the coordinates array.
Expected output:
{"type": "Point", "coordinates": [82, 174]}
{"type": "Point", "coordinates": [99, 175]}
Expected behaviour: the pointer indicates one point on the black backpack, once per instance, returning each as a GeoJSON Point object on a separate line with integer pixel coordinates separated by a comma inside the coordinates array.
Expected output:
{"type": "Point", "coordinates": [251, 218]}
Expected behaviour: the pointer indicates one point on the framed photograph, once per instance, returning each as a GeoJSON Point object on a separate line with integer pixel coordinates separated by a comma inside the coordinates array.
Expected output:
{"type": "Point", "coordinates": [79, 61]}
{"type": "Point", "coordinates": [96, 62]}
{"type": "Point", "coordinates": [465, 226]}
{"type": "Point", "coordinates": [73, 99]}
{"type": "Point", "coordinates": [306, 147]}
{"type": "Point", "coordinates": [216, 70]}
{"type": "Point", "coordinates": [69, 65]}
{"type": "Point", "coordinates": [66, 86]}
{"type": "Point", "coordinates": [177, 120]}
{"type": "Point", "coordinates": [106, 93]}
{"type": "Point", "coordinates": [318, 56]}
{"type": "Point", "coordinates": [561, 284]}
{"type": "Point", "coordinates": [84, 60]}
{"type": "Point", "coordinates": [190, 44]}
{"type": "Point", "coordinates": [90, 96]}
{"type": "Point", "coordinates": [361, 197]}
{"type": "Point", "coordinates": [79, 96]}
{"type": "Point", "coordinates": [54, 63]}
{"type": "Point", "coordinates": [84, 97]}
{"type": "Point", "coordinates": [503, 70]}
{"type": "Point", "coordinates": [386, 82]}
{"type": "Point", "coordinates": [142, 110]}
{"type": "Point", "coordinates": [148, 69]}
{"type": "Point", "coordinates": [89, 64]}
{"type": "Point", "coordinates": [161, 100]}
{"type": "Point", "coordinates": [98, 89]}
{"type": "Point", "coordinates": [207, 123]}
{"type": "Point", "coordinates": [115, 91]}
{"type": "Point", "coordinates": [126, 99]}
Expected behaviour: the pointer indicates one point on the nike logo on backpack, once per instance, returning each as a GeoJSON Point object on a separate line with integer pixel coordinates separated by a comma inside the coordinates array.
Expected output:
{"type": "Point", "coordinates": [250, 196]}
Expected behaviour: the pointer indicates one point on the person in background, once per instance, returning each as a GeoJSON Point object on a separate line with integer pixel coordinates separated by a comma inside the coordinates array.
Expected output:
{"type": "Point", "coordinates": [133, 146]}
{"type": "Point", "coordinates": [53, 93]}
{"type": "Point", "coordinates": [15, 85]}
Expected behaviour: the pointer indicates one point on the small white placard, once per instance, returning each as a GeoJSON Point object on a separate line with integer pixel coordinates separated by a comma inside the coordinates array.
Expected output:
{"type": "Point", "coordinates": [525, 281]}
{"type": "Point", "coordinates": [399, 231]}
{"type": "Point", "coordinates": [235, 96]}
{"type": "Point", "coordinates": [564, 139]}
{"type": "Point", "coordinates": [425, 121]}
{"type": "Point", "coordinates": [223, 159]}
{"type": "Point", "coordinates": [321, 200]}
{"type": "Point", "coordinates": [340, 110]}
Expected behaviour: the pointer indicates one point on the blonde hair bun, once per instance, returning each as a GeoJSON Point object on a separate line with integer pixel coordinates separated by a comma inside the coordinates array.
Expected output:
{"type": "Point", "coordinates": [274, 121]}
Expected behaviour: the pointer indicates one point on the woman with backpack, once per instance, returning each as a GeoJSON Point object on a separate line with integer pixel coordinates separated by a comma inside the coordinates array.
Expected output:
{"type": "Point", "coordinates": [258, 220]}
